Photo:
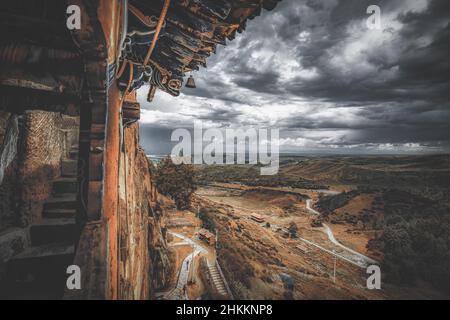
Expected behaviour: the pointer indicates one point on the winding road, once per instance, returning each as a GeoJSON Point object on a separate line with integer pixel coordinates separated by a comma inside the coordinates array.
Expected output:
{"type": "Point", "coordinates": [359, 258]}
{"type": "Point", "coordinates": [179, 293]}
{"type": "Point", "coordinates": [346, 253]}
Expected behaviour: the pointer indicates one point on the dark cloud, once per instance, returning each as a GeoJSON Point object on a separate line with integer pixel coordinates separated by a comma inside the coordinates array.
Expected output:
{"type": "Point", "coordinates": [155, 140]}
{"type": "Point", "coordinates": [224, 115]}
{"type": "Point", "coordinates": [314, 70]}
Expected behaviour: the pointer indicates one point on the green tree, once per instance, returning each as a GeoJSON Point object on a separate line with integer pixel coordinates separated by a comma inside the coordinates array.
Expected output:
{"type": "Point", "coordinates": [293, 229]}
{"type": "Point", "coordinates": [176, 181]}
{"type": "Point", "coordinates": [207, 219]}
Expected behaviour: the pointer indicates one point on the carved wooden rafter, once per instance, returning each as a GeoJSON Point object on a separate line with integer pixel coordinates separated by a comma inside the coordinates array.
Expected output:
{"type": "Point", "coordinates": [192, 31]}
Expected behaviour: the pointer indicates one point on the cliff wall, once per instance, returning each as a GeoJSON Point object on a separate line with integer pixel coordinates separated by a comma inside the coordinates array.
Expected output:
{"type": "Point", "coordinates": [141, 241]}
{"type": "Point", "coordinates": [143, 261]}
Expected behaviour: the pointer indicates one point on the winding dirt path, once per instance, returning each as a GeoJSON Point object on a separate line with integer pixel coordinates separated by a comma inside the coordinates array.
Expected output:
{"type": "Point", "coordinates": [179, 292]}
{"type": "Point", "coordinates": [358, 257]}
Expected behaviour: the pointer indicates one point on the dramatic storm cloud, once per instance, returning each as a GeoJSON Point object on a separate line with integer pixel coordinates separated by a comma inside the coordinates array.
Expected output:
{"type": "Point", "coordinates": [315, 70]}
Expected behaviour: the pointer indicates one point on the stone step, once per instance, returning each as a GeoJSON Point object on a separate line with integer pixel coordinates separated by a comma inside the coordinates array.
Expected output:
{"type": "Point", "coordinates": [220, 287]}
{"type": "Point", "coordinates": [65, 185]}
{"type": "Point", "coordinates": [69, 168]}
{"type": "Point", "coordinates": [63, 201]}
{"type": "Point", "coordinates": [62, 230]}
{"type": "Point", "coordinates": [217, 280]}
{"type": "Point", "coordinates": [59, 213]}
{"type": "Point", "coordinates": [38, 272]}
{"type": "Point", "coordinates": [73, 154]}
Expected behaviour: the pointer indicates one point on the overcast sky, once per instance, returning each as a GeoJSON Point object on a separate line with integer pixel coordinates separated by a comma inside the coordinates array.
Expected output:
{"type": "Point", "coordinates": [312, 69]}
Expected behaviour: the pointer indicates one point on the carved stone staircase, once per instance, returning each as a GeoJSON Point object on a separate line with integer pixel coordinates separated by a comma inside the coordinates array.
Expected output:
{"type": "Point", "coordinates": [217, 279]}
{"type": "Point", "coordinates": [39, 272]}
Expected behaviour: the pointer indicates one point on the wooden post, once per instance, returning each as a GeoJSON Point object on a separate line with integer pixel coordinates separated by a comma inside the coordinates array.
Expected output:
{"type": "Point", "coordinates": [110, 187]}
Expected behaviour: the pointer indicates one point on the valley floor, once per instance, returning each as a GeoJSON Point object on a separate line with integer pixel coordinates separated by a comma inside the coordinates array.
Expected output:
{"type": "Point", "coordinates": [323, 261]}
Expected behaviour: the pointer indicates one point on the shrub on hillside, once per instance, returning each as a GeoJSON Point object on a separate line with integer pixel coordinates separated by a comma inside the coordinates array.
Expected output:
{"type": "Point", "coordinates": [293, 229]}
{"type": "Point", "coordinates": [415, 240]}
{"type": "Point", "coordinates": [176, 181]}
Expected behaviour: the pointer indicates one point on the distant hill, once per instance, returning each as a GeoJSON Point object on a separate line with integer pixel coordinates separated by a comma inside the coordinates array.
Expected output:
{"type": "Point", "coordinates": [427, 175]}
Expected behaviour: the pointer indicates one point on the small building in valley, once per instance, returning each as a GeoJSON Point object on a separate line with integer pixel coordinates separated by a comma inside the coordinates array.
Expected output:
{"type": "Point", "coordinates": [206, 236]}
{"type": "Point", "coordinates": [256, 217]}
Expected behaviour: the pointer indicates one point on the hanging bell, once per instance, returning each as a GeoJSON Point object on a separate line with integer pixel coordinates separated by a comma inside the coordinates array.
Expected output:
{"type": "Point", "coordinates": [191, 83]}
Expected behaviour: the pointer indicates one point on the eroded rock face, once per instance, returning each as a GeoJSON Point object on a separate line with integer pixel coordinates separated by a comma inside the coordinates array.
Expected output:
{"type": "Point", "coordinates": [143, 251]}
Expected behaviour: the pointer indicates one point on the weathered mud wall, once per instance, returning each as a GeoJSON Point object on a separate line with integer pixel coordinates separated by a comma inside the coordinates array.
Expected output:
{"type": "Point", "coordinates": [27, 180]}
{"type": "Point", "coordinates": [41, 155]}
{"type": "Point", "coordinates": [142, 245]}
{"type": "Point", "coordinates": [35, 144]}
